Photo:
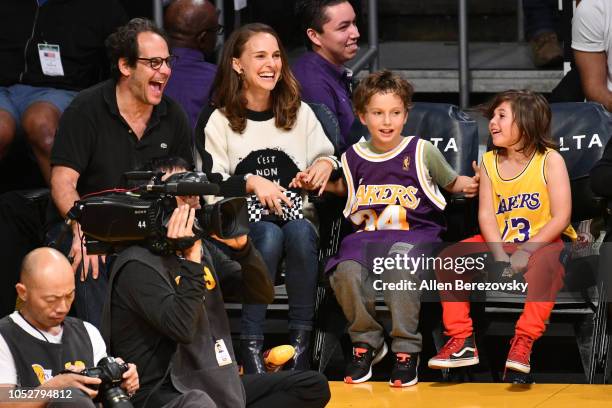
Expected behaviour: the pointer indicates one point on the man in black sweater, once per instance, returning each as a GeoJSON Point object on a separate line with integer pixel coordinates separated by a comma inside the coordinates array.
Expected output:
{"type": "Point", "coordinates": [166, 313]}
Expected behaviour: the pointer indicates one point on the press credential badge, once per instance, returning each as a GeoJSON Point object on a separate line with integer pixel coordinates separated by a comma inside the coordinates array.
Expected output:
{"type": "Point", "coordinates": [223, 356]}
{"type": "Point", "coordinates": [50, 59]}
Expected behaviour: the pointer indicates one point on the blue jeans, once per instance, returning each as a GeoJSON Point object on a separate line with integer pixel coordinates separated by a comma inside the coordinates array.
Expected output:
{"type": "Point", "coordinates": [540, 17]}
{"type": "Point", "coordinates": [297, 240]}
{"type": "Point", "coordinates": [16, 99]}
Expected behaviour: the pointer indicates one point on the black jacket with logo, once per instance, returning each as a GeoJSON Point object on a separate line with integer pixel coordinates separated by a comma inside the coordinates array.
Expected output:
{"type": "Point", "coordinates": [164, 311]}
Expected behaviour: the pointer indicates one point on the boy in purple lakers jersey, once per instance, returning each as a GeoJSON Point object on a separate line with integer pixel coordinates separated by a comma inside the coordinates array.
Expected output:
{"type": "Point", "coordinates": [394, 203]}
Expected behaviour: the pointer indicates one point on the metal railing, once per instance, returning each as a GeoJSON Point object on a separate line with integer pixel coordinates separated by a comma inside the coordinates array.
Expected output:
{"type": "Point", "coordinates": [158, 13]}
{"type": "Point", "coordinates": [370, 57]}
{"type": "Point", "coordinates": [464, 66]}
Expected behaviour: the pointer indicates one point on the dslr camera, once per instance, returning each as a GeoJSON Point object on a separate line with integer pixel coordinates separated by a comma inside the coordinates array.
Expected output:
{"type": "Point", "coordinates": [139, 216]}
{"type": "Point", "coordinates": [110, 371]}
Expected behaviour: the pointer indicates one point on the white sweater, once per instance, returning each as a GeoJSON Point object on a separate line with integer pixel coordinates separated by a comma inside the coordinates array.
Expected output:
{"type": "Point", "coordinates": [263, 149]}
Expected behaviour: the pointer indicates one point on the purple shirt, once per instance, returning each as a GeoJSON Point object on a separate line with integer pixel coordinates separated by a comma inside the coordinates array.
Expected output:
{"type": "Point", "coordinates": [190, 82]}
{"type": "Point", "coordinates": [325, 83]}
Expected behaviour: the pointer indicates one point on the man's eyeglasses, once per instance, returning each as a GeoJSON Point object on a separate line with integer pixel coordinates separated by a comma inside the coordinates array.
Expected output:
{"type": "Point", "coordinates": [156, 62]}
{"type": "Point", "coordinates": [215, 30]}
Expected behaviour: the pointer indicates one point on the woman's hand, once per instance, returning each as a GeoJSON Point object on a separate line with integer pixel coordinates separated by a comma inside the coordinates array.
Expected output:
{"type": "Point", "coordinates": [298, 181]}
{"type": "Point", "coordinates": [269, 193]}
{"type": "Point", "coordinates": [314, 177]}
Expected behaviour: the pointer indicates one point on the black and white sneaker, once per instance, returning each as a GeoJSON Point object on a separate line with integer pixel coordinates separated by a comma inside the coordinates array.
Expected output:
{"type": "Point", "coordinates": [404, 372]}
{"type": "Point", "coordinates": [364, 357]}
{"type": "Point", "coordinates": [457, 352]}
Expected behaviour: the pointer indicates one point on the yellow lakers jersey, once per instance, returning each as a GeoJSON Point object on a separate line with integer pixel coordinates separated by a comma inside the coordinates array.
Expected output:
{"type": "Point", "coordinates": [521, 204]}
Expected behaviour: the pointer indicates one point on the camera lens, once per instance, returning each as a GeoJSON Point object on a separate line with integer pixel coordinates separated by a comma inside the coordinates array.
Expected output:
{"type": "Point", "coordinates": [115, 397]}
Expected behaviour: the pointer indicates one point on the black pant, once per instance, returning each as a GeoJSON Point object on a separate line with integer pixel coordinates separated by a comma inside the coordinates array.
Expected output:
{"type": "Point", "coordinates": [303, 389]}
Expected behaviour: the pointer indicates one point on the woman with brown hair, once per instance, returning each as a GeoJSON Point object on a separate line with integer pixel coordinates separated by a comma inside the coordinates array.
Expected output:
{"type": "Point", "coordinates": [259, 135]}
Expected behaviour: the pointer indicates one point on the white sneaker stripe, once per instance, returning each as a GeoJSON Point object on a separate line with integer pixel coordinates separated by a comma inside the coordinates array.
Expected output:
{"type": "Point", "coordinates": [462, 352]}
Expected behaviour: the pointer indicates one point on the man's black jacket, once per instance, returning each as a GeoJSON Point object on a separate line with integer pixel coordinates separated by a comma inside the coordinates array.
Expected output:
{"type": "Point", "coordinates": [165, 310]}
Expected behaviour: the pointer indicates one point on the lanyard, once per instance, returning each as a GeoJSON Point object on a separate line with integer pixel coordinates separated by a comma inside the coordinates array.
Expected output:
{"type": "Point", "coordinates": [32, 326]}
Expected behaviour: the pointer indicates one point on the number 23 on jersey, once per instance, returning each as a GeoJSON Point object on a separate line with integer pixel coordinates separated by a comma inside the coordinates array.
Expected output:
{"type": "Point", "coordinates": [519, 228]}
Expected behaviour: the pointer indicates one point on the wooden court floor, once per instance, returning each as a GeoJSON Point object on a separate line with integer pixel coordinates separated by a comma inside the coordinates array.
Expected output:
{"type": "Point", "coordinates": [470, 395]}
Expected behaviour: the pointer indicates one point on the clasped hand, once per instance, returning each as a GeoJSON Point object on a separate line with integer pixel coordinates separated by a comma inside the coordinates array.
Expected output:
{"type": "Point", "coordinates": [314, 177]}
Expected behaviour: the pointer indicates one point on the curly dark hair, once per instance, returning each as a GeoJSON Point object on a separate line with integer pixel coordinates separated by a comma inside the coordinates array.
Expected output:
{"type": "Point", "coordinates": [123, 43]}
{"type": "Point", "coordinates": [227, 87]}
{"type": "Point", "coordinates": [311, 14]}
{"type": "Point", "coordinates": [384, 82]}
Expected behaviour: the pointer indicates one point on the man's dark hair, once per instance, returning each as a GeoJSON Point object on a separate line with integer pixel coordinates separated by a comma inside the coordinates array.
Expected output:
{"type": "Point", "coordinates": [123, 43]}
{"type": "Point", "coordinates": [311, 14]}
{"type": "Point", "coordinates": [166, 164]}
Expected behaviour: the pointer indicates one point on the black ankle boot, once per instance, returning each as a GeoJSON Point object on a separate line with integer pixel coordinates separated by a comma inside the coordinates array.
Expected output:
{"type": "Point", "coordinates": [252, 358]}
{"type": "Point", "coordinates": [300, 340]}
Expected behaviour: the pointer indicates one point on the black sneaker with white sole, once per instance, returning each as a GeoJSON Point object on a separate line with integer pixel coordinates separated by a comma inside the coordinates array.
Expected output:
{"type": "Point", "coordinates": [516, 377]}
{"type": "Point", "coordinates": [404, 372]}
{"type": "Point", "coordinates": [364, 357]}
{"type": "Point", "coordinates": [457, 352]}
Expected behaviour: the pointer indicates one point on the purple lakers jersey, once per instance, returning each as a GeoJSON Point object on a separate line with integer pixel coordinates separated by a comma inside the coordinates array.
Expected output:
{"type": "Point", "coordinates": [391, 197]}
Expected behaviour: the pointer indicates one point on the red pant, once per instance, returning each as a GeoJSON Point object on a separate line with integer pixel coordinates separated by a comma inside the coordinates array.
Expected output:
{"type": "Point", "coordinates": [544, 277]}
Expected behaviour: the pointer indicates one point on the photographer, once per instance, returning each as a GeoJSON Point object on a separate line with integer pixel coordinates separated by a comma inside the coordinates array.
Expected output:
{"type": "Point", "coordinates": [38, 342]}
{"type": "Point", "coordinates": [167, 313]}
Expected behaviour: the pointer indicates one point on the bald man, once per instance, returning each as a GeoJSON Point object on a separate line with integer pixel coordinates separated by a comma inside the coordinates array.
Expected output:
{"type": "Point", "coordinates": [39, 341]}
{"type": "Point", "coordinates": [192, 26]}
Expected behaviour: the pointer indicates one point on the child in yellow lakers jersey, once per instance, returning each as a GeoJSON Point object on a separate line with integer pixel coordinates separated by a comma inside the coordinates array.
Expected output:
{"type": "Point", "coordinates": [524, 208]}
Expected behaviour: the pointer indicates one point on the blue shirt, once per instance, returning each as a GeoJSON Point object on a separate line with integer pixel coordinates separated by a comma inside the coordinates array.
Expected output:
{"type": "Point", "coordinates": [328, 84]}
{"type": "Point", "coordinates": [190, 82]}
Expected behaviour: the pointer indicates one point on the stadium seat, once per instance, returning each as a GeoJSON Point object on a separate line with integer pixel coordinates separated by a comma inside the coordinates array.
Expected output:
{"type": "Point", "coordinates": [455, 134]}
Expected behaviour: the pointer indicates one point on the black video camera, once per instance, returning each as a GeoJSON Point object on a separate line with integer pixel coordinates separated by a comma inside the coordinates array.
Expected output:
{"type": "Point", "coordinates": [110, 372]}
{"type": "Point", "coordinates": [139, 216]}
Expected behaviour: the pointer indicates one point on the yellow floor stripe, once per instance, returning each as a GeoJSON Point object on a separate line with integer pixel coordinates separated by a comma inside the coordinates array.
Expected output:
{"type": "Point", "coordinates": [470, 395]}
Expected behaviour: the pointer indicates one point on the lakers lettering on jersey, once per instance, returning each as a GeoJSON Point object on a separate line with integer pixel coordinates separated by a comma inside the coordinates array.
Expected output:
{"type": "Point", "coordinates": [384, 187]}
{"type": "Point", "coordinates": [396, 198]}
{"type": "Point", "coordinates": [522, 203]}
{"type": "Point", "coordinates": [526, 200]}
{"type": "Point", "coordinates": [386, 194]}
